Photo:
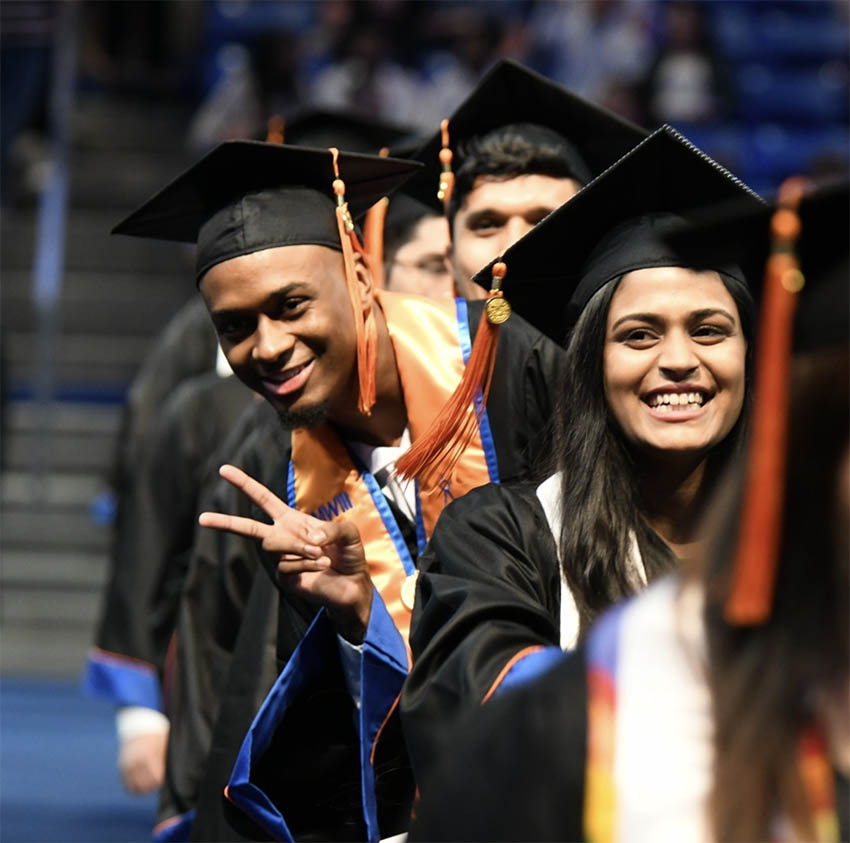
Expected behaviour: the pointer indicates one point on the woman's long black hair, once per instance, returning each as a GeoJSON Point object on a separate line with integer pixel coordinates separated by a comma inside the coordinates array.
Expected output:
{"type": "Point", "coordinates": [600, 505]}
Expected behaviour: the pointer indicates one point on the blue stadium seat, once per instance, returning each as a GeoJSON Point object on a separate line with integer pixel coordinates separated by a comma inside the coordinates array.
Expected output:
{"type": "Point", "coordinates": [792, 95]}
{"type": "Point", "coordinates": [777, 34]}
{"type": "Point", "coordinates": [774, 152]}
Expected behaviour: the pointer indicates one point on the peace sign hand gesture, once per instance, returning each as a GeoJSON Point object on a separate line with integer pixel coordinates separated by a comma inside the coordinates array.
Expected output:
{"type": "Point", "coordinates": [323, 561]}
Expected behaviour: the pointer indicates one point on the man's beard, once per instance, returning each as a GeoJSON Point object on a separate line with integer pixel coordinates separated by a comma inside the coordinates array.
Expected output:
{"type": "Point", "coordinates": [310, 417]}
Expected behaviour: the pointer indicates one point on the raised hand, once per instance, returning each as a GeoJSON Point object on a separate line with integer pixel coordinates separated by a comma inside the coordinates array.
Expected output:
{"type": "Point", "coordinates": [323, 561]}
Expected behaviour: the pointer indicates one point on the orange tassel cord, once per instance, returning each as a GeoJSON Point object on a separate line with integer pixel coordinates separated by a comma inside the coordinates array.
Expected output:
{"type": "Point", "coordinates": [364, 320]}
{"type": "Point", "coordinates": [373, 239]}
{"type": "Point", "coordinates": [373, 234]}
{"type": "Point", "coordinates": [753, 580]}
{"type": "Point", "coordinates": [275, 129]}
{"type": "Point", "coordinates": [433, 457]}
{"type": "Point", "coordinates": [447, 177]}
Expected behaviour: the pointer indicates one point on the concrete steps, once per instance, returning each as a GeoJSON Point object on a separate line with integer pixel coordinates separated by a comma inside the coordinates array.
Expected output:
{"type": "Point", "coordinates": [118, 293]}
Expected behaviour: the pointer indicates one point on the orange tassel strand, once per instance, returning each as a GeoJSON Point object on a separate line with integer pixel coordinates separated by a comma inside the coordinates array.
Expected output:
{"type": "Point", "coordinates": [275, 129]}
{"type": "Point", "coordinates": [447, 177]}
{"type": "Point", "coordinates": [373, 239]}
{"type": "Point", "coordinates": [364, 319]}
{"type": "Point", "coordinates": [753, 579]}
{"type": "Point", "coordinates": [433, 457]}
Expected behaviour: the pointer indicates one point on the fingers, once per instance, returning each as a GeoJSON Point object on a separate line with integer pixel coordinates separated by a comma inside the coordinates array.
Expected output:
{"type": "Point", "coordinates": [303, 566]}
{"type": "Point", "coordinates": [256, 491]}
{"type": "Point", "coordinates": [234, 524]}
{"type": "Point", "coordinates": [312, 529]}
{"type": "Point", "coordinates": [344, 532]}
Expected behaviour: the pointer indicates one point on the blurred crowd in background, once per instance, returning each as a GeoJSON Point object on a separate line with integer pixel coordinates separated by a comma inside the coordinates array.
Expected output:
{"type": "Point", "coordinates": [759, 84]}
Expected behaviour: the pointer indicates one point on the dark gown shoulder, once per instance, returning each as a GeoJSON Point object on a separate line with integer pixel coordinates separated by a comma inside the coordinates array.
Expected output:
{"type": "Point", "coordinates": [517, 767]}
{"type": "Point", "coordinates": [488, 592]}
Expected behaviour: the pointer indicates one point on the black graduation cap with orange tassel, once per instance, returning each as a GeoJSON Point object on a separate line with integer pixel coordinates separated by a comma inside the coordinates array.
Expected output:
{"type": "Point", "coordinates": [801, 245]}
{"type": "Point", "coordinates": [353, 131]}
{"type": "Point", "coordinates": [508, 94]}
{"type": "Point", "coordinates": [247, 196]}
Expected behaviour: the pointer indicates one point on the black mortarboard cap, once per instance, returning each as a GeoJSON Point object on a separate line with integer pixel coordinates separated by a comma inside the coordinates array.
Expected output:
{"type": "Point", "coordinates": [739, 233]}
{"type": "Point", "coordinates": [612, 226]}
{"type": "Point", "coordinates": [344, 128]}
{"type": "Point", "coordinates": [510, 94]}
{"type": "Point", "coordinates": [245, 196]}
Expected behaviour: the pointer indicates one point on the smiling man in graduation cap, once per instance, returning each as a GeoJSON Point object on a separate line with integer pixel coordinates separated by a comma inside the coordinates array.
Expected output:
{"type": "Point", "coordinates": [518, 147]}
{"type": "Point", "coordinates": [355, 375]}
{"type": "Point", "coordinates": [167, 437]}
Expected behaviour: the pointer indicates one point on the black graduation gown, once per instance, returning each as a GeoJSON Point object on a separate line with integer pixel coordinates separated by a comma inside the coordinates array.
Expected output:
{"type": "Point", "coordinates": [517, 766]}
{"type": "Point", "coordinates": [153, 535]}
{"type": "Point", "coordinates": [212, 604]}
{"type": "Point", "coordinates": [489, 587]}
{"type": "Point", "coordinates": [527, 373]}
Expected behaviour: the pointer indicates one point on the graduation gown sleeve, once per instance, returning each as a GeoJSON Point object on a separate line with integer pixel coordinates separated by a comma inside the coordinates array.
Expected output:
{"type": "Point", "coordinates": [517, 767]}
{"type": "Point", "coordinates": [487, 599]}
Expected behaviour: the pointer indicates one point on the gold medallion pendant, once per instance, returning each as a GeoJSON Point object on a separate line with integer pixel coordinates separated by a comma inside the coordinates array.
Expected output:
{"type": "Point", "coordinates": [498, 310]}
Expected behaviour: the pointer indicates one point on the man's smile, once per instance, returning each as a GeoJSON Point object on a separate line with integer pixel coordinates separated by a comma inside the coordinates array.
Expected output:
{"type": "Point", "coordinates": [288, 380]}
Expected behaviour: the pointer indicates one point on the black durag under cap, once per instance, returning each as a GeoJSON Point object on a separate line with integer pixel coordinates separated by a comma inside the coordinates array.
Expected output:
{"type": "Point", "coordinates": [253, 223]}
{"type": "Point", "coordinates": [246, 196]}
{"type": "Point", "coordinates": [613, 226]}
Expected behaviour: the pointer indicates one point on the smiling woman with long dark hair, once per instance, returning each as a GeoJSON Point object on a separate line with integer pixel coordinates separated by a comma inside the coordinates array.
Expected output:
{"type": "Point", "coordinates": [638, 457]}
{"type": "Point", "coordinates": [651, 409]}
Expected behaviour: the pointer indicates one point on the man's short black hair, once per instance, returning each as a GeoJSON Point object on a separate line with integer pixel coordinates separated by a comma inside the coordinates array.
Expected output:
{"type": "Point", "coordinates": [516, 149]}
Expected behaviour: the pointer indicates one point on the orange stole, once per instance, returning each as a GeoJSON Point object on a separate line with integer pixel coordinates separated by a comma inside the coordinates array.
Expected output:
{"type": "Point", "coordinates": [424, 335]}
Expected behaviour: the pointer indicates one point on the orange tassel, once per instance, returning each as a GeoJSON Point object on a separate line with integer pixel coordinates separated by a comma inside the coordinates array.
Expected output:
{"type": "Point", "coordinates": [433, 457]}
{"type": "Point", "coordinates": [275, 129]}
{"type": "Point", "coordinates": [447, 177]}
{"type": "Point", "coordinates": [373, 239]}
{"type": "Point", "coordinates": [364, 320]}
{"type": "Point", "coordinates": [751, 596]}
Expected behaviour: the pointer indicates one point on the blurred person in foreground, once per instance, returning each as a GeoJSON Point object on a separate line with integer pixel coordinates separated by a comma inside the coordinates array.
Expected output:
{"type": "Point", "coordinates": [716, 705]}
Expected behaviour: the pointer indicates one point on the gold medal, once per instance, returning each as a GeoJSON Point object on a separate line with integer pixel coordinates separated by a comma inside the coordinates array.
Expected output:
{"type": "Point", "coordinates": [408, 590]}
{"type": "Point", "coordinates": [498, 310]}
